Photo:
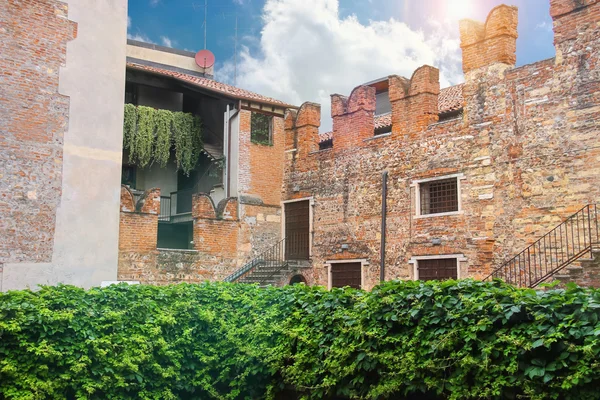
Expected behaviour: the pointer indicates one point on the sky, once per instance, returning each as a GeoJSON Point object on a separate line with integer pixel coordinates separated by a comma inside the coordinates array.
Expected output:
{"type": "Point", "coordinates": [306, 50]}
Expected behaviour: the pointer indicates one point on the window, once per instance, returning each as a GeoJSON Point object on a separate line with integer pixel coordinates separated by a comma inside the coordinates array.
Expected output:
{"type": "Point", "coordinates": [326, 144]}
{"type": "Point", "coordinates": [261, 129]}
{"type": "Point", "coordinates": [128, 175]}
{"type": "Point", "coordinates": [131, 93]}
{"type": "Point", "coordinates": [438, 196]}
{"type": "Point", "coordinates": [346, 274]}
{"type": "Point", "coordinates": [437, 269]}
{"type": "Point", "coordinates": [383, 131]}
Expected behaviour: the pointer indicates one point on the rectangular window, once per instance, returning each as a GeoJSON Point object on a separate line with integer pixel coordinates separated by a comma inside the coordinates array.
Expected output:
{"type": "Point", "coordinates": [437, 269]}
{"type": "Point", "coordinates": [346, 274]}
{"type": "Point", "coordinates": [261, 127]}
{"type": "Point", "coordinates": [439, 196]}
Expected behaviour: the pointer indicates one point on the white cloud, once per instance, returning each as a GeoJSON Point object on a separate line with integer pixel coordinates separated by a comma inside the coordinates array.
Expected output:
{"type": "Point", "coordinates": [140, 37]}
{"type": "Point", "coordinates": [306, 52]}
{"type": "Point", "coordinates": [544, 25]}
{"type": "Point", "coordinates": [154, 3]}
{"type": "Point", "coordinates": [128, 22]}
{"type": "Point", "coordinates": [167, 42]}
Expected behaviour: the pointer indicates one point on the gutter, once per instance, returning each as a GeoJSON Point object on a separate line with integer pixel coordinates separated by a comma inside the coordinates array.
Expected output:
{"type": "Point", "coordinates": [228, 161]}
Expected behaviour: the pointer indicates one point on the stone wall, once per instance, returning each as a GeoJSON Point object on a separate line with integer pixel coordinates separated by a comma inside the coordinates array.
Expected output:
{"type": "Point", "coordinates": [33, 122]}
{"type": "Point", "coordinates": [61, 143]}
{"type": "Point", "coordinates": [525, 153]}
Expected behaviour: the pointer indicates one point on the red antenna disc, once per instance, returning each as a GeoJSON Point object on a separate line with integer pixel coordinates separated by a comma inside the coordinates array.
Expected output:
{"type": "Point", "coordinates": [205, 59]}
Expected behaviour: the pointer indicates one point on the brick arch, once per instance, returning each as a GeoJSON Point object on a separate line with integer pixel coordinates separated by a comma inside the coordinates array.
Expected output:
{"type": "Point", "coordinates": [149, 203]}
{"type": "Point", "coordinates": [228, 208]}
{"type": "Point", "coordinates": [297, 278]}
{"type": "Point", "coordinates": [498, 22]}
{"type": "Point", "coordinates": [127, 199]}
{"type": "Point", "coordinates": [362, 98]}
{"type": "Point", "coordinates": [203, 207]}
{"type": "Point", "coordinates": [308, 114]}
{"type": "Point", "coordinates": [425, 79]}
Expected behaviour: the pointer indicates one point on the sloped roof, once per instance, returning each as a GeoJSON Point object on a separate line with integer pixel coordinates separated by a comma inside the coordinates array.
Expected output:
{"type": "Point", "coordinates": [450, 99]}
{"type": "Point", "coordinates": [212, 85]}
{"type": "Point", "coordinates": [383, 120]}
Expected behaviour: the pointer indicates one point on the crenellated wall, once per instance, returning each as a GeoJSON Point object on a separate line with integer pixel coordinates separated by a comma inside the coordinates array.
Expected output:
{"type": "Point", "coordinates": [525, 152]}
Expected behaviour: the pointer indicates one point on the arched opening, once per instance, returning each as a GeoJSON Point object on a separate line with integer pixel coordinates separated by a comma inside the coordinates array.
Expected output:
{"type": "Point", "coordinates": [297, 279]}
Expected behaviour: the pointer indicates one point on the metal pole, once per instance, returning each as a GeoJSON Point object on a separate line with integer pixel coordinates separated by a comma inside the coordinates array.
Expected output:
{"type": "Point", "coordinates": [205, 18]}
{"type": "Point", "coordinates": [383, 224]}
{"type": "Point", "coordinates": [235, 52]}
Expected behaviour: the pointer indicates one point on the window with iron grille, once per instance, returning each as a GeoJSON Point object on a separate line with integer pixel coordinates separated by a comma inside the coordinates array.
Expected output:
{"type": "Point", "coordinates": [346, 274]}
{"type": "Point", "coordinates": [437, 269]}
{"type": "Point", "coordinates": [261, 129]}
{"type": "Point", "coordinates": [439, 196]}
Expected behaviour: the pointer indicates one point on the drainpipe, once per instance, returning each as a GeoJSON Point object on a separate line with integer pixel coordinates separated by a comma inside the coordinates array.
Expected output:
{"type": "Point", "coordinates": [384, 177]}
{"type": "Point", "coordinates": [228, 161]}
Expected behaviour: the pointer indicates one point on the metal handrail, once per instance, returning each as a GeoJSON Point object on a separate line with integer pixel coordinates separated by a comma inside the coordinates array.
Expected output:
{"type": "Point", "coordinates": [566, 243]}
{"type": "Point", "coordinates": [271, 261]}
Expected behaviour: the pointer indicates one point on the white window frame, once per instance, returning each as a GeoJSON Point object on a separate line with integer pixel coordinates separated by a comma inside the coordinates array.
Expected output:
{"type": "Point", "coordinates": [415, 262]}
{"type": "Point", "coordinates": [311, 204]}
{"type": "Point", "coordinates": [417, 185]}
{"type": "Point", "coordinates": [363, 263]}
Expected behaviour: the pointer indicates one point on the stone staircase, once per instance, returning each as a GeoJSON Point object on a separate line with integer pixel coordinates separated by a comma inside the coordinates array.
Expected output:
{"type": "Point", "coordinates": [584, 272]}
{"type": "Point", "coordinates": [569, 252]}
{"type": "Point", "coordinates": [274, 275]}
{"type": "Point", "coordinates": [269, 268]}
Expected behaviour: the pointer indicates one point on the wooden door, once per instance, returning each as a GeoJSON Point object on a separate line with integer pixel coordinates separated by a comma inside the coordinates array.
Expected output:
{"type": "Point", "coordinates": [437, 269]}
{"type": "Point", "coordinates": [346, 274]}
{"type": "Point", "coordinates": [297, 230]}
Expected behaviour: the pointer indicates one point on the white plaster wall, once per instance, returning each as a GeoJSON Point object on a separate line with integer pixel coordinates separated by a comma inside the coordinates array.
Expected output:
{"type": "Point", "coordinates": [87, 220]}
{"type": "Point", "coordinates": [165, 58]}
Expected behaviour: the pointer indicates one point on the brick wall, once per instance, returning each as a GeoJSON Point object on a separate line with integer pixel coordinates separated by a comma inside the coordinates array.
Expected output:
{"type": "Point", "coordinates": [526, 151]}
{"type": "Point", "coordinates": [261, 166]}
{"type": "Point", "coordinates": [138, 230]}
{"type": "Point", "coordinates": [33, 120]}
{"type": "Point", "coordinates": [215, 239]}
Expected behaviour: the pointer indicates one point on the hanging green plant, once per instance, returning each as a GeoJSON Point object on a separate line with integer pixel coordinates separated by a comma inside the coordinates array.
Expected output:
{"type": "Point", "coordinates": [144, 137]}
{"type": "Point", "coordinates": [162, 151]}
{"type": "Point", "coordinates": [186, 135]}
{"type": "Point", "coordinates": [129, 125]}
{"type": "Point", "coordinates": [150, 134]}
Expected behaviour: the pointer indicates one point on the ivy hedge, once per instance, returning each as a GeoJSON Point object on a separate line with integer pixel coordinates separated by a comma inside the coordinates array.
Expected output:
{"type": "Point", "coordinates": [422, 340]}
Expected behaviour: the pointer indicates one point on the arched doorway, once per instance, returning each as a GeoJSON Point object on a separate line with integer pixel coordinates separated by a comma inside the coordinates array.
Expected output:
{"type": "Point", "coordinates": [297, 279]}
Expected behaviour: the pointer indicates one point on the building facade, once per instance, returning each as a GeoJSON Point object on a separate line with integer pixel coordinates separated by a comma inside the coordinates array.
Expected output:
{"type": "Point", "coordinates": [414, 182]}
{"type": "Point", "coordinates": [475, 173]}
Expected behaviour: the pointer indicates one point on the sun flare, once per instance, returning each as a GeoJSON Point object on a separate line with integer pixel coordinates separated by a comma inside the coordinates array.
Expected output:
{"type": "Point", "coordinates": [459, 9]}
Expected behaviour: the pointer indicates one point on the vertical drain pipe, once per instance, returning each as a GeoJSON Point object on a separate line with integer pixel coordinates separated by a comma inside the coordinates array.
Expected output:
{"type": "Point", "coordinates": [384, 177]}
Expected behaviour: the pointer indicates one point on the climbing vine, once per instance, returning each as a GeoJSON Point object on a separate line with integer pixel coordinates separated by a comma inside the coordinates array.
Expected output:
{"type": "Point", "coordinates": [150, 134]}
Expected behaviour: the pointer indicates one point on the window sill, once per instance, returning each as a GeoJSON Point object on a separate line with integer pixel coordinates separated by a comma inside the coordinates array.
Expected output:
{"type": "Point", "coordinates": [377, 136]}
{"type": "Point", "coordinates": [262, 143]}
{"type": "Point", "coordinates": [446, 214]}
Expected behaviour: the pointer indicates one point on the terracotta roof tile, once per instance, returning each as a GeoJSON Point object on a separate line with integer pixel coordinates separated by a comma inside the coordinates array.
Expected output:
{"type": "Point", "coordinates": [383, 120]}
{"type": "Point", "coordinates": [450, 99]}
{"type": "Point", "coordinates": [323, 136]}
{"type": "Point", "coordinates": [212, 85]}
